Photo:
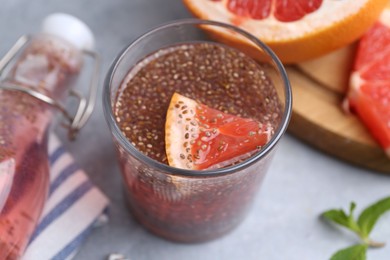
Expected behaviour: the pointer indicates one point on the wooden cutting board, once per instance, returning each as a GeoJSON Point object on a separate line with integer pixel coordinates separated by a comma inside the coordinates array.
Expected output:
{"type": "Point", "coordinates": [319, 87]}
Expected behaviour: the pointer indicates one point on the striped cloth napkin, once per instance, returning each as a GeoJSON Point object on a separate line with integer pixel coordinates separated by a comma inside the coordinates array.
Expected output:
{"type": "Point", "coordinates": [74, 207]}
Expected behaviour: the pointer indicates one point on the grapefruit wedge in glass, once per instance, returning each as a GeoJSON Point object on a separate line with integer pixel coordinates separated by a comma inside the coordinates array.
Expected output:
{"type": "Point", "coordinates": [369, 93]}
{"type": "Point", "coordinates": [296, 30]}
{"type": "Point", "coordinates": [198, 137]}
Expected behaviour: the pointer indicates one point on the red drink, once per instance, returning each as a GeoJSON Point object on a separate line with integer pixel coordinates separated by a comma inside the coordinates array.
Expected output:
{"type": "Point", "coordinates": [45, 66]}
{"type": "Point", "coordinates": [30, 93]}
{"type": "Point", "coordinates": [189, 205]}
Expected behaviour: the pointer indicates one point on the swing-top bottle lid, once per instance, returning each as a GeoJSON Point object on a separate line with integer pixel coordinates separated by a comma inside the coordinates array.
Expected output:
{"type": "Point", "coordinates": [69, 28]}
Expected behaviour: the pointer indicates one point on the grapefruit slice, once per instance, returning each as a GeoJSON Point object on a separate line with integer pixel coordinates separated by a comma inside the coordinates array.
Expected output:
{"type": "Point", "coordinates": [295, 30]}
{"type": "Point", "coordinates": [198, 137]}
{"type": "Point", "coordinates": [369, 93]}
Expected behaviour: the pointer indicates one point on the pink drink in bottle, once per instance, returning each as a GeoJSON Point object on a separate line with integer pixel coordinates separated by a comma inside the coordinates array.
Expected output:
{"type": "Point", "coordinates": [46, 66]}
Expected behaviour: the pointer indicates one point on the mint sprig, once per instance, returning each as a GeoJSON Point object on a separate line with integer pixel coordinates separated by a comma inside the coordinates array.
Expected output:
{"type": "Point", "coordinates": [362, 227]}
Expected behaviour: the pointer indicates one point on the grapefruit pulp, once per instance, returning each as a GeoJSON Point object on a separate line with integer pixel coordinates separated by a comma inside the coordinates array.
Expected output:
{"type": "Point", "coordinates": [369, 93]}
{"type": "Point", "coordinates": [198, 137]}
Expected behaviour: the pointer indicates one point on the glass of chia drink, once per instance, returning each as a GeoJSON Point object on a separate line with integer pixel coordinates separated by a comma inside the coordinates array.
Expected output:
{"type": "Point", "coordinates": [188, 205]}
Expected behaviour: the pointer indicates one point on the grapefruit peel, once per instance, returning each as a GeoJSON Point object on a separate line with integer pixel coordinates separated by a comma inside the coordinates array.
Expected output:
{"type": "Point", "coordinates": [334, 24]}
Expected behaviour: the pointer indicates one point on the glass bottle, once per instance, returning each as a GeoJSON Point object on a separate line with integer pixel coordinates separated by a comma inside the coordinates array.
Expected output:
{"type": "Point", "coordinates": [29, 95]}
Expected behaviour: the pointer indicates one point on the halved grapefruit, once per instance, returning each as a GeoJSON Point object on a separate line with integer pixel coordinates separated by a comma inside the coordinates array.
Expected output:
{"type": "Point", "coordinates": [198, 137]}
{"type": "Point", "coordinates": [369, 93]}
{"type": "Point", "coordinates": [296, 30]}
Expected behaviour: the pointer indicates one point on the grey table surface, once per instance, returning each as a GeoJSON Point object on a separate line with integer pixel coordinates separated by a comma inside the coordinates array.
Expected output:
{"type": "Point", "coordinates": [301, 183]}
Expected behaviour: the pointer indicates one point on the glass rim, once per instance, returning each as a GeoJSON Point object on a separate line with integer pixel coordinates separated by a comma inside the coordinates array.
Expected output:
{"type": "Point", "coordinates": [126, 144]}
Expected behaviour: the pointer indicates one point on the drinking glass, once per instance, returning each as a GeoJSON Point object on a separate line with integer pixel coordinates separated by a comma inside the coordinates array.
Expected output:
{"type": "Point", "coordinates": [190, 205]}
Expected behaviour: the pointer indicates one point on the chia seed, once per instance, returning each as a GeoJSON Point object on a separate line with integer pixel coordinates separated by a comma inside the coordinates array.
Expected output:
{"type": "Point", "coordinates": [215, 75]}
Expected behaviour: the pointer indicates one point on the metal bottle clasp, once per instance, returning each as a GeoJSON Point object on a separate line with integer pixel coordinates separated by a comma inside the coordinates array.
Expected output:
{"type": "Point", "coordinates": [85, 104]}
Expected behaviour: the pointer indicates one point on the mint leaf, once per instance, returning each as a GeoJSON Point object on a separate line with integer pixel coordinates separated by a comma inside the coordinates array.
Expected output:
{"type": "Point", "coordinates": [356, 252]}
{"type": "Point", "coordinates": [371, 214]}
{"type": "Point", "coordinates": [362, 227]}
{"type": "Point", "coordinates": [352, 208]}
{"type": "Point", "coordinates": [340, 217]}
